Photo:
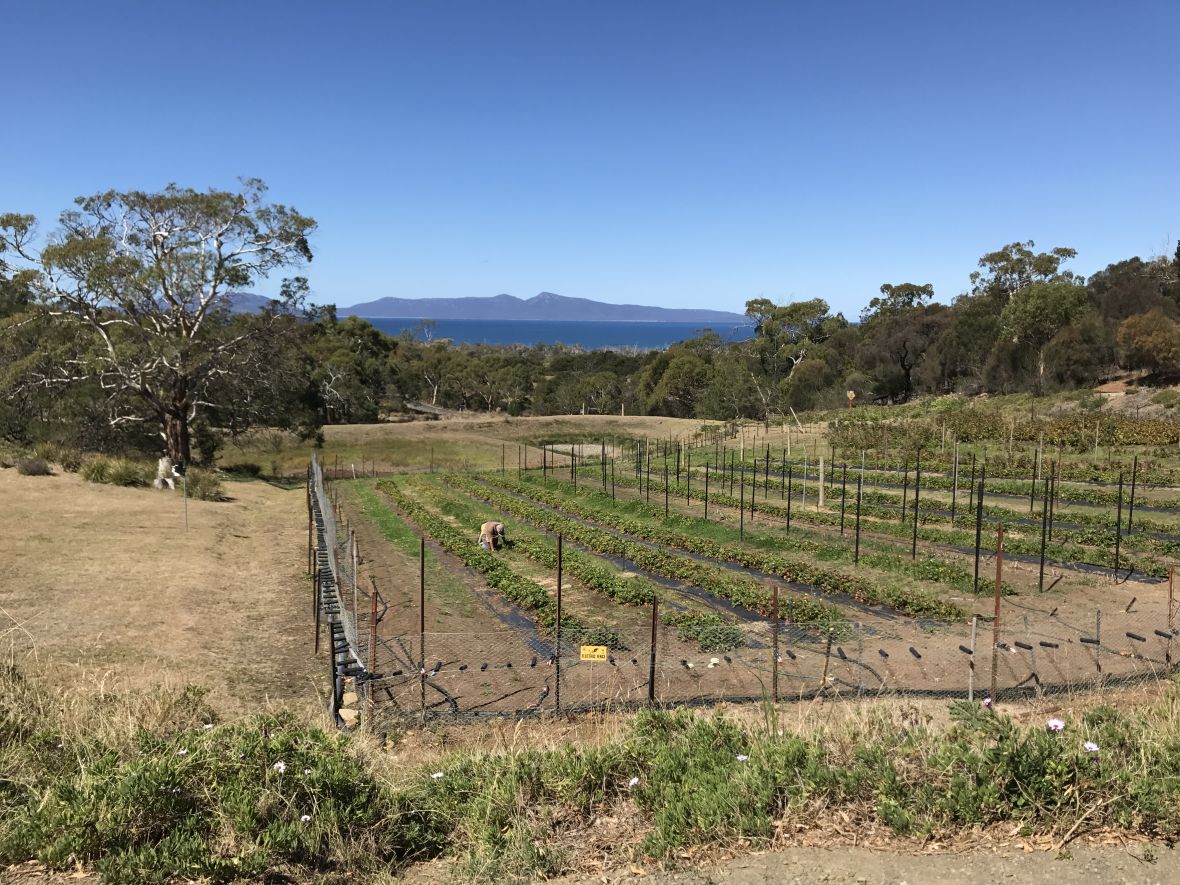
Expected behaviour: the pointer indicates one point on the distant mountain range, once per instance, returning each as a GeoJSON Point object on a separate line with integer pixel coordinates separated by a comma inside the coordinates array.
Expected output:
{"type": "Point", "coordinates": [545, 306]}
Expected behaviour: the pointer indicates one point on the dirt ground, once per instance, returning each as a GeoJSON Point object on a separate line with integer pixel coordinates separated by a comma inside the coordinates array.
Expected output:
{"type": "Point", "coordinates": [104, 585]}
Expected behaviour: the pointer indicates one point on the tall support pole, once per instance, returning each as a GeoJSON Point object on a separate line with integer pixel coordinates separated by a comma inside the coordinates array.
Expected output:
{"type": "Point", "coordinates": [860, 482]}
{"type": "Point", "coordinates": [612, 479]}
{"type": "Point", "coordinates": [1118, 529]}
{"type": "Point", "coordinates": [978, 524]}
{"type": "Point", "coordinates": [1131, 503]}
{"type": "Point", "coordinates": [782, 492]}
{"type": "Point", "coordinates": [666, 488]}
{"type": "Point", "coordinates": [790, 471]}
{"type": "Point", "coordinates": [742, 512]}
{"type": "Point", "coordinates": [557, 635]}
{"type": "Point", "coordinates": [707, 471]}
{"type": "Point", "coordinates": [1053, 497]}
{"type": "Point", "coordinates": [905, 489]}
{"type": "Point", "coordinates": [843, 496]}
{"type": "Point", "coordinates": [917, 492]}
{"type": "Point", "coordinates": [1098, 638]}
{"type": "Point", "coordinates": [651, 661]}
{"type": "Point", "coordinates": [1044, 535]}
{"type": "Point", "coordinates": [687, 477]}
{"type": "Point", "coordinates": [1032, 491]}
{"type": "Point", "coordinates": [1171, 610]}
{"type": "Point", "coordinates": [774, 628]}
{"type": "Point", "coordinates": [971, 487]}
{"type": "Point", "coordinates": [372, 700]}
{"type": "Point", "coordinates": [996, 612]}
{"type": "Point", "coordinates": [422, 620]}
{"type": "Point", "coordinates": [955, 484]}
{"type": "Point", "coordinates": [971, 661]}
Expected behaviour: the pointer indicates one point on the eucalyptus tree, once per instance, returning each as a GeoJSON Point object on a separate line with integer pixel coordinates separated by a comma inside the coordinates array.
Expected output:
{"type": "Point", "coordinates": [144, 285]}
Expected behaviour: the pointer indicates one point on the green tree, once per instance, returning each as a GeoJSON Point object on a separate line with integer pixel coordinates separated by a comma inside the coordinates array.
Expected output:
{"type": "Point", "coordinates": [145, 283]}
{"type": "Point", "coordinates": [1150, 341]}
{"type": "Point", "coordinates": [1038, 311]}
{"type": "Point", "coordinates": [1008, 270]}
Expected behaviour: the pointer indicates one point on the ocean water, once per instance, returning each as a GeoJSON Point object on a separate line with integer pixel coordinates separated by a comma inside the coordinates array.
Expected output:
{"type": "Point", "coordinates": [590, 335]}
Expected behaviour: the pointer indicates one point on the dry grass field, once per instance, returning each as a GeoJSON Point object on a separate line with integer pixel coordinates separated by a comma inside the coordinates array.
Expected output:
{"type": "Point", "coordinates": [103, 584]}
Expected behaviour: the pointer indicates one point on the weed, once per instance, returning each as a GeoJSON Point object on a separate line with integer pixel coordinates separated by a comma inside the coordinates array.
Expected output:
{"type": "Point", "coordinates": [33, 467]}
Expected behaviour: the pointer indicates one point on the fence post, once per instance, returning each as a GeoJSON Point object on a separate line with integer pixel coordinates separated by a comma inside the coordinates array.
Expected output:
{"type": "Point", "coordinates": [917, 492]}
{"type": "Point", "coordinates": [651, 662]}
{"type": "Point", "coordinates": [666, 485]}
{"type": "Point", "coordinates": [372, 700]}
{"type": "Point", "coordinates": [1053, 496]}
{"type": "Point", "coordinates": [905, 489]}
{"type": "Point", "coordinates": [1131, 503]}
{"type": "Point", "coordinates": [1118, 530]}
{"type": "Point", "coordinates": [971, 661]}
{"type": "Point", "coordinates": [1044, 528]}
{"type": "Point", "coordinates": [687, 477]}
{"type": "Point", "coordinates": [955, 484]}
{"type": "Point", "coordinates": [742, 509]}
{"type": "Point", "coordinates": [996, 614]}
{"type": "Point", "coordinates": [422, 620]}
{"type": "Point", "coordinates": [1098, 639]}
{"type": "Point", "coordinates": [706, 491]}
{"type": "Point", "coordinates": [823, 682]}
{"type": "Point", "coordinates": [557, 633]}
{"type": "Point", "coordinates": [843, 496]}
{"type": "Point", "coordinates": [1171, 606]}
{"type": "Point", "coordinates": [859, 488]}
{"type": "Point", "coordinates": [774, 628]}
{"type": "Point", "coordinates": [979, 525]}
{"type": "Point", "coordinates": [790, 482]}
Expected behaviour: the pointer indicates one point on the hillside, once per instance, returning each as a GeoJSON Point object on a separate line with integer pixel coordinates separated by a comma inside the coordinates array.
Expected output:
{"type": "Point", "coordinates": [545, 306]}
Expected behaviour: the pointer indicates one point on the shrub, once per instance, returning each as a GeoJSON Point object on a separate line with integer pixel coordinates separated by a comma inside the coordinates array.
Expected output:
{"type": "Point", "coordinates": [125, 472]}
{"type": "Point", "coordinates": [247, 468]}
{"type": "Point", "coordinates": [96, 469]}
{"type": "Point", "coordinates": [33, 467]}
{"type": "Point", "coordinates": [205, 485]}
{"type": "Point", "coordinates": [1168, 398]}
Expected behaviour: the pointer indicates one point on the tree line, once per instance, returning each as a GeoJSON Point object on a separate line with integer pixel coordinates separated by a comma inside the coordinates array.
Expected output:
{"type": "Point", "coordinates": [119, 331]}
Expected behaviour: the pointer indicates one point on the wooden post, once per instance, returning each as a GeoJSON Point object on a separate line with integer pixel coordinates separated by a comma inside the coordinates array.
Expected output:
{"type": "Point", "coordinates": [996, 613]}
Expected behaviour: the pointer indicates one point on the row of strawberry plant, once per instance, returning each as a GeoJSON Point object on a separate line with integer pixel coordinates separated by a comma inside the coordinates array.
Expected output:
{"type": "Point", "coordinates": [521, 591]}
{"type": "Point", "coordinates": [1064, 548]}
{"type": "Point", "coordinates": [740, 589]}
{"type": "Point", "coordinates": [798, 569]}
{"type": "Point", "coordinates": [590, 570]}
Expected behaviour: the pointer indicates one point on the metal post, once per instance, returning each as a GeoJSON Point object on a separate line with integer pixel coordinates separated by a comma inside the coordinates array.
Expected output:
{"type": "Point", "coordinates": [774, 628]}
{"type": "Point", "coordinates": [790, 473]}
{"type": "Point", "coordinates": [422, 619]}
{"type": "Point", "coordinates": [707, 471]}
{"type": "Point", "coordinates": [1131, 503]}
{"type": "Point", "coordinates": [372, 700]}
{"type": "Point", "coordinates": [1044, 533]}
{"type": "Point", "coordinates": [971, 661]}
{"type": "Point", "coordinates": [1053, 496]}
{"type": "Point", "coordinates": [859, 487]}
{"type": "Point", "coordinates": [651, 661]}
{"type": "Point", "coordinates": [1098, 639]}
{"type": "Point", "coordinates": [612, 479]}
{"type": "Point", "coordinates": [1118, 529]}
{"type": "Point", "coordinates": [742, 511]}
{"type": "Point", "coordinates": [557, 633]}
{"type": "Point", "coordinates": [905, 488]}
{"type": "Point", "coordinates": [955, 484]}
{"type": "Point", "coordinates": [687, 477]}
{"type": "Point", "coordinates": [979, 524]}
{"type": "Point", "coordinates": [843, 496]}
{"type": "Point", "coordinates": [917, 492]}
{"type": "Point", "coordinates": [1171, 609]}
{"type": "Point", "coordinates": [666, 488]}
{"type": "Point", "coordinates": [996, 614]}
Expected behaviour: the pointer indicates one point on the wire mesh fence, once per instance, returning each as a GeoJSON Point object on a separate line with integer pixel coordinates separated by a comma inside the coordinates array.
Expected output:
{"type": "Point", "coordinates": [1029, 646]}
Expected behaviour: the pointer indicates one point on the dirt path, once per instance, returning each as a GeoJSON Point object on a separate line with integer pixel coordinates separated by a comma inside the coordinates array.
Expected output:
{"type": "Point", "coordinates": [1141, 864]}
{"type": "Point", "coordinates": [104, 584]}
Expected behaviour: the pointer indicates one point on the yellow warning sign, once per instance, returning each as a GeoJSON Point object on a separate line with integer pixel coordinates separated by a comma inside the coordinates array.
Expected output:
{"type": "Point", "coordinates": [593, 652]}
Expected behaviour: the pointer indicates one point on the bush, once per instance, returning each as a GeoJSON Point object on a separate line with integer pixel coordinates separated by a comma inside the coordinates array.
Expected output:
{"type": "Point", "coordinates": [247, 468]}
{"type": "Point", "coordinates": [1168, 398]}
{"type": "Point", "coordinates": [55, 453]}
{"type": "Point", "coordinates": [204, 485]}
{"type": "Point", "coordinates": [125, 472]}
{"type": "Point", "coordinates": [33, 467]}
{"type": "Point", "coordinates": [96, 469]}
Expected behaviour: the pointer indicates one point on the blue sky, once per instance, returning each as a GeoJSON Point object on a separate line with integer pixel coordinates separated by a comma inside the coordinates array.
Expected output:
{"type": "Point", "coordinates": [692, 154]}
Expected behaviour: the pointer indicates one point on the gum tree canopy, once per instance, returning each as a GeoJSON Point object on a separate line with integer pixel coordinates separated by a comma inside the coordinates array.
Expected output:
{"type": "Point", "coordinates": [141, 285]}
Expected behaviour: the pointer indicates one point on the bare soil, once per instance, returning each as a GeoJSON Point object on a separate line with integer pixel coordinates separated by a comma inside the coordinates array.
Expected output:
{"type": "Point", "coordinates": [104, 583]}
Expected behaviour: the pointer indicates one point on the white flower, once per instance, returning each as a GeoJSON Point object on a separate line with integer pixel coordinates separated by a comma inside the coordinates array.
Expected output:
{"type": "Point", "coordinates": [987, 703]}
{"type": "Point", "coordinates": [1056, 725]}
{"type": "Point", "coordinates": [1090, 747]}
{"type": "Point", "coordinates": [208, 725]}
{"type": "Point", "coordinates": [280, 767]}
{"type": "Point", "coordinates": [305, 818]}
{"type": "Point", "coordinates": [742, 757]}
{"type": "Point", "coordinates": [182, 752]}
{"type": "Point", "coordinates": [634, 781]}
{"type": "Point", "coordinates": [307, 771]}
{"type": "Point", "coordinates": [437, 775]}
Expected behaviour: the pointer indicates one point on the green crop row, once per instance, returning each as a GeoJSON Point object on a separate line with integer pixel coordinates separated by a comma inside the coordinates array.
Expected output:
{"type": "Point", "coordinates": [522, 592]}
{"type": "Point", "coordinates": [798, 569]}
{"type": "Point", "coordinates": [717, 580]}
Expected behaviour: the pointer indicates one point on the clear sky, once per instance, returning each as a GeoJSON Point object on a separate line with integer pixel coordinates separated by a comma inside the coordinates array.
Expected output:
{"type": "Point", "coordinates": [692, 154]}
